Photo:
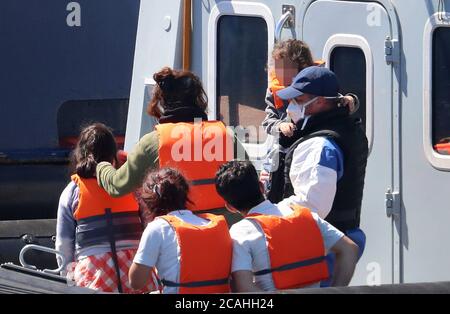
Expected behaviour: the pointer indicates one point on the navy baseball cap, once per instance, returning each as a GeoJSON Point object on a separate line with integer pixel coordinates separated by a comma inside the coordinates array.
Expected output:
{"type": "Point", "coordinates": [314, 80]}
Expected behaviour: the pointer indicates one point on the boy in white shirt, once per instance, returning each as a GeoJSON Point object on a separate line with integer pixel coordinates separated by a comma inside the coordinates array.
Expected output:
{"type": "Point", "coordinates": [279, 246]}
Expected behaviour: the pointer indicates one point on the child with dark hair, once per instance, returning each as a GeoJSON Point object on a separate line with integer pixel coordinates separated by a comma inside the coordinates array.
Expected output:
{"type": "Point", "coordinates": [192, 253]}
{"type": "Point", "coordinates": [98, 235]}
{"type": "Point", "coordinates": [279, 246]}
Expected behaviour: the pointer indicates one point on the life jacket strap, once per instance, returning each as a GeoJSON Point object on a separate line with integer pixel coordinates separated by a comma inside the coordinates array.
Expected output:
{"type": "Point", "coordinates": [203, 182]}
{"type": "Point", "coordinates": [195, 284]}
{"type": "Point", "coordinates": [213, 211]}
{"type": "Point", "coordinates": [98, 236]}
{"type": "Point", "coordinates": [95, 230]}
{"type": "Point", "coordinates": [290, 266]}
{"type": "Point", "coordinates": [112, 243]}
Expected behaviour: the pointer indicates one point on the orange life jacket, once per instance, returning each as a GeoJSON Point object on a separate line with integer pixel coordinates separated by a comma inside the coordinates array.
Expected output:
{"type": "Point", "coordinates": [100, 216]}
{"type": "Point", "coordinates": [443, 148]}
{"type": "Point", "coordinates": [296, 249]}
{"type": "Point", "coordinates": [182, 146]}
{"type": "Point", "coordinates": [275, 86]}
{"type": "Point", "coordinates": [205, 255]}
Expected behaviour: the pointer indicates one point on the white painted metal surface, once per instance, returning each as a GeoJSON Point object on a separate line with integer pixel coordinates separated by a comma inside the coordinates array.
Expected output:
{"type": "Point", "coordinates": [409, 246]}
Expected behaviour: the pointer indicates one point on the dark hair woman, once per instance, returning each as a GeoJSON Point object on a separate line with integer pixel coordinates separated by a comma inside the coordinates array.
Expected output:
{"type": "Point", "coordinates": [184, 139]}
{"type": "Point", "coordinates": [82, 234]}
{"type": "Point", "coordinates": [184, 248]}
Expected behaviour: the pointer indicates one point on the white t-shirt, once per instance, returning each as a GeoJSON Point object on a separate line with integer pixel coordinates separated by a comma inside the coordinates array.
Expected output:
{"type": "Point", "coordinates": [159, 247]}
{"type": "Point", "coordinates": [249, 243]}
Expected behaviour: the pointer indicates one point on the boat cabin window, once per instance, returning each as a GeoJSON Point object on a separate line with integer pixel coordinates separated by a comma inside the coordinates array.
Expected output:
{"type": "Point", "coordinates": [242, 73]}
{"type": "Point", "coordinates": [73, 115]}
{"type": "Point", "coordinates": [441, 91]}
{"type": "Point", "coordinates": [349, 64]}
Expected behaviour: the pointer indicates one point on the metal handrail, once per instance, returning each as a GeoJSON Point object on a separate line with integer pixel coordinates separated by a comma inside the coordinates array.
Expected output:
{"type": "Point", "coordinates": [26, 248]}
{"type": "Point", "coordinates": [279, 27]}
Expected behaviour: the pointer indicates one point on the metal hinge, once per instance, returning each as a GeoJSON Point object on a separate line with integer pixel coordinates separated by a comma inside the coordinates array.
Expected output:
{"type": "Point", "coordinates": [392, 203]}
{"type": "Point", "coordinates": [391, 50]}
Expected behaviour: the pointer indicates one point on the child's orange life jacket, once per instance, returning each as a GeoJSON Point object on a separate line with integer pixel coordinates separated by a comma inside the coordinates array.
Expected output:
{"type": "Point", "coordinates": [296, 249]}
{"type": "Point", "coordinates": [206, 253]}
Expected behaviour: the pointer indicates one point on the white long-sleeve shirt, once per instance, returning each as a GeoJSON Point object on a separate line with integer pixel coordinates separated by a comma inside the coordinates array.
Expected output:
{"type": "Point", "coordinates": [317, 165]}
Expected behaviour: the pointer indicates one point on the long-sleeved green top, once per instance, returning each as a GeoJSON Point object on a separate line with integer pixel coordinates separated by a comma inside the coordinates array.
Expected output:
{"type": "Point", "coordinates": [144, 157]}
{"type": "Point", "coordinates": [129, 176]}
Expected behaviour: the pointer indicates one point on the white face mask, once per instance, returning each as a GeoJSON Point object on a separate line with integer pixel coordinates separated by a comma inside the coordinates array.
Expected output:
{"type": "Point", "coordinates": [296, 111]}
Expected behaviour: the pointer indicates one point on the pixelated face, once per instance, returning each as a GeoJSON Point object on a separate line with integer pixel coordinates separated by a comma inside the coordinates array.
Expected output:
{"type": "Point", "coordinates": [285, 71]}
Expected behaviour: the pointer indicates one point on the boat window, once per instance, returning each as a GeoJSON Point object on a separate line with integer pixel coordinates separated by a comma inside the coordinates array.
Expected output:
{"type": "Point", "coordinates": [441, 91]}
{"type": "Point", "coordinates": [242, 73]}
{"type": "Point", "coordinates": [349, 64]}
{"type": "Point", "coordinates": [75, 114]}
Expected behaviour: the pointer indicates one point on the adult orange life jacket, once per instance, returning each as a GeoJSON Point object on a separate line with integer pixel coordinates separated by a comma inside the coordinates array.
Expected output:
{"type": "Point", "coordinates": [205, 255]}
{"type": "Point", "coordinates": [102, 218]}
{"type": "Point", "coordinates": [197, 150]}
{"type": "Point", "coordinates": [296, 249]}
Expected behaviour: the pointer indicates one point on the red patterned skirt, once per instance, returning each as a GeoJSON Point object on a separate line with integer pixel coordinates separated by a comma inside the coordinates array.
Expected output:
{"type": "Point", "coordinates": [99, 273]}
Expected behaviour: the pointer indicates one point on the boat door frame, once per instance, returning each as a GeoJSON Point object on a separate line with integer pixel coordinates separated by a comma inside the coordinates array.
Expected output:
{"type": "Point", "coordinates": [257, 151]}
{"type": "Point", "coordinates": [438, 161]}
{"type": "Point", "coordinates": [356, 41]}
{"type": "Point", "coordinates": [233, 8]}
{"type": "Point", "coordinates": [396, 140]}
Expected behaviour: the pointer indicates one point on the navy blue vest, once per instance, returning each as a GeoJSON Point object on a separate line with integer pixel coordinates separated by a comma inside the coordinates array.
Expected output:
{"type": "Point", "coordinates": [347, 133]}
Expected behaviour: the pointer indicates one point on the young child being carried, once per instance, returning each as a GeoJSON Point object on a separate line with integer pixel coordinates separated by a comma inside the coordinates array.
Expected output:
{"type": "Point", "coordinates": [288, 59]}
